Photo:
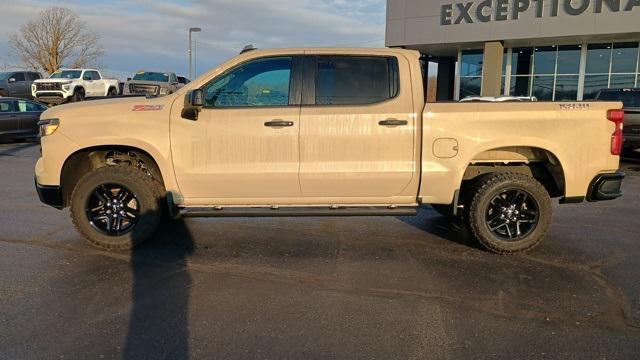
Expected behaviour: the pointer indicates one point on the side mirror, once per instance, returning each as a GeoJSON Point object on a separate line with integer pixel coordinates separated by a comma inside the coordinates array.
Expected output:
{"type": "Point", "coordinates": [193, 102]}
{"type": "Point", "coordinates": [11, 80]}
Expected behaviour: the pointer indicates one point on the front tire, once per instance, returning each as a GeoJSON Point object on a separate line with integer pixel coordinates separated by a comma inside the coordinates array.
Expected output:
{"type": "Point", "coordinates": [112, 92]}
{"type": "Point", "coordinates": [78, 95]}
{"type": "Point", "coordinates": [510, 213]}
{"type": "Point", "coordinates": [116, 207]}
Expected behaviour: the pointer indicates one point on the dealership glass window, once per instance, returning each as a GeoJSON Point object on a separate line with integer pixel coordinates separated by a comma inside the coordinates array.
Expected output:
{"type": "Point", "coordinates": [593, 84]}
{"type": "Point", "coordinates": [624, 58]}
{"type": "Point", "coordinates": [471, 63]}
{"type": "Point", "coordinates": [569, 59]}
{"type": "Point", "coordinates": [598, 58]}
{"type": "Point", "coordinates": [610, 65]}
{"type": "Point", "coordinates": [544, 60]}
{"type": "Point", "coordinates": [521, 61]}
{"type": "Point", "coordinates": [543, 88]}
{"type": "Point", "coordinates": [520, 85]}
{"type": "Point", "coordinates": [566, 88]}
{"type": "Point", "coordinates": [470, 86]}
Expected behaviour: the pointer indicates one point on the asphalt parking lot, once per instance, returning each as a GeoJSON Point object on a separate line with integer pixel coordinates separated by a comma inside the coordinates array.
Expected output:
{"type": "Point", "coordinates": [373, 288]}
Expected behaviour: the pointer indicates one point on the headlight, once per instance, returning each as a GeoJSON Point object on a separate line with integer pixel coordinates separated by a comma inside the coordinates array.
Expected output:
{"type": "Point", "coordinates": [48, 126]}
{"type": "Point", "coordinates": [164, 91]}
{"type": "Point", "coordinates": [66, 87]}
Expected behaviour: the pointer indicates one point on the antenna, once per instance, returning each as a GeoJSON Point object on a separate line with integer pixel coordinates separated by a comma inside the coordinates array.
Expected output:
{"type": "Point", "coordinates": [248, 48]}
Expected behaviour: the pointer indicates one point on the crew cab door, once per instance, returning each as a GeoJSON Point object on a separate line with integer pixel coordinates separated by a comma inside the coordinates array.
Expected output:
{"type": "Point", "coordinates": [243, 148]}
{"type": "Point", "coordinates": [357, 127]}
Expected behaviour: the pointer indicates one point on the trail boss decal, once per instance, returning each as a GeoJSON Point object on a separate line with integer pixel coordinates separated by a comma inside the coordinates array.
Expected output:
{"type": "Point", "coordinates": [147, 107]}
{"type": "Point", "coordinates": [574, 106]}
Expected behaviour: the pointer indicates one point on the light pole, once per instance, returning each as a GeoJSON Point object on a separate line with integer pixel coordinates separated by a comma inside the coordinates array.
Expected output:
{"type": "Point", "coordinates": [191, 30]}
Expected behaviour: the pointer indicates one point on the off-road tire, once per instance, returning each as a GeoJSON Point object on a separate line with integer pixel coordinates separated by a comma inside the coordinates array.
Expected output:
{"type": "Point", "coordinates": [147, 191]}
{"type": "Point", "coordinates": [78, 95]}
{"type": "Point", "coordinates": [112, 92]}
{"type": "Point", "coordinates": [494, 185]}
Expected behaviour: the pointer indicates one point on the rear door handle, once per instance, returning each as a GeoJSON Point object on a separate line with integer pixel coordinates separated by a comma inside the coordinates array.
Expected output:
{"type": "Point", "coordinates": [393, 122]}
{"type": "Point", "coordinates": [278, 123]}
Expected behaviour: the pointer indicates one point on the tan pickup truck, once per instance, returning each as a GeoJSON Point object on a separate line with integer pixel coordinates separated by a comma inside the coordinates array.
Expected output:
{"type": "Point", "coordinates": [324, 132]}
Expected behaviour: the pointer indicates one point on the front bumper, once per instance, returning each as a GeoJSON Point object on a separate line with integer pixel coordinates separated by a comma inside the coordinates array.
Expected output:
{"type": "Point", "coordinates": [606, 187]}
{"type": "Point", "coordinates": [50, 195]}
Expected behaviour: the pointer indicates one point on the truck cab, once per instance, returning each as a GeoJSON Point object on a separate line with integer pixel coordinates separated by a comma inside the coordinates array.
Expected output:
{"type": "Point", "coordinates": [73, 85]}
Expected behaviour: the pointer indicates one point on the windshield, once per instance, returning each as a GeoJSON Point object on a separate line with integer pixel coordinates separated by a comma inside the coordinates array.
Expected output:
{"type": "Point", "coordinates": [152, 76]}
{"type": "Point", "coordinates": [630, 99]}
{"type": "Point", "coordinates": [66, 74]}
{"type": "Point", "coordinates": [5, 75]}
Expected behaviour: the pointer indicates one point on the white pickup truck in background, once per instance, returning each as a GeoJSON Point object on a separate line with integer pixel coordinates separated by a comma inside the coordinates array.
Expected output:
{"type": "Point", "coordinates": [72, 85]}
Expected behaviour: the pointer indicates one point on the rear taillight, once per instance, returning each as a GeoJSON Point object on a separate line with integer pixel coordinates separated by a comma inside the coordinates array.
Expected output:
{"type": "Point", "coordinates": [617, 116]}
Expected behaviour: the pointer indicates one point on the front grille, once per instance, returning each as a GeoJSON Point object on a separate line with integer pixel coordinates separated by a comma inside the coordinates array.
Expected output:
{"type": "Point", "coordinates": [48, 86]}
{"type": "Point", "coordinates": [152, 90]}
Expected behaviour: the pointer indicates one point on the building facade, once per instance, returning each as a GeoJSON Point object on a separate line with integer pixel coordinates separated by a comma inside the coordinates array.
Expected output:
{"type": "Point", "coordinates": [551, 49]}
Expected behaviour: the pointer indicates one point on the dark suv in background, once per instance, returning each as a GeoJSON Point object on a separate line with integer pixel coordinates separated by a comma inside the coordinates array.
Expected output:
{"type": "Point", "coordinates": [17, 83]}
{"type": "Point", "coordinates": [631, 104]}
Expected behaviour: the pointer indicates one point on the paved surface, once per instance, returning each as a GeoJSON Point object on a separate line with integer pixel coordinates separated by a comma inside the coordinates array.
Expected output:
{"type": "Point", "coordinates": [375, 288]}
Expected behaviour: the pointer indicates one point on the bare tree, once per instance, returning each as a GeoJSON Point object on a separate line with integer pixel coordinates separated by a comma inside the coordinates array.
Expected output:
{"type": "Point", "coordinates": [57, 37]}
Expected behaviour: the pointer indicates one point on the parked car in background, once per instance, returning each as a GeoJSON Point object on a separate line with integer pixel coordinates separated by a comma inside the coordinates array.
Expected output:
{"type": "Point", "coordinates": [631, 101]}
{"type": "Point", "coordinates": [18, 83]}
{"type": "Point", "coordinates": [152, 83]}
{"type": "Point", "coordinates": [73, 85]}
{"type": "Point", "coordinates": [19, 118]}
{"type": "Point", "coordinates": [182, 81]}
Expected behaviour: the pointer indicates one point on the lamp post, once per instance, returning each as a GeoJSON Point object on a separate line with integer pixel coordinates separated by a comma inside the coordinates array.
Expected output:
{"type": "Point", "coordinates": [191, 30]}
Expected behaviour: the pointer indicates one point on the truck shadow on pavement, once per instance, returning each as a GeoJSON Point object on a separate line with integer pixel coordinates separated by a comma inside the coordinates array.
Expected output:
{"type": "Point", "coordinates": [453, 230]}
{"type": "Point", "coordinates": [158, 325]}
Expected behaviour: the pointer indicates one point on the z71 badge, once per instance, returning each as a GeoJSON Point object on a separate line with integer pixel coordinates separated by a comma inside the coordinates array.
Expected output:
{"type": "Point", "coordinates": [147, 107]}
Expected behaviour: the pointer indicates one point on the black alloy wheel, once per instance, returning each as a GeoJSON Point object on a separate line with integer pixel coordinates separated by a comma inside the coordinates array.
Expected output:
{"type": "Point", "coordinates": [113, 209]}
{"type": "Point", "coordinates": [512, 215]}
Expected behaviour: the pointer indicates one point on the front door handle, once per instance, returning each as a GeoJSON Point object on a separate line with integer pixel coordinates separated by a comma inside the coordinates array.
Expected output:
{"type": "Point", "coordinates": [393, 122]}
{"type": "Point", "coordinates": [278, 123]}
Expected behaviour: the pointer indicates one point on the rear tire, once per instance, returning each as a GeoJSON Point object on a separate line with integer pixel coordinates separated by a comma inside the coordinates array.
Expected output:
{"type": "Point", "coordinates": [107, 216]}
{"type": "Point", "coordinates": [510, 213]}
{"type": "Point", "coordinates": [112, 92]}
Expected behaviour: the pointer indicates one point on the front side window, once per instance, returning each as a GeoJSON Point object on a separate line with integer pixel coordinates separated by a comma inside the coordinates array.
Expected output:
{"type": "Point", "coordinates": [19, 77]}
{"type": "Point", "coordinates": [27, 106]}
{"type": "Point", "coordinates": [261, 82]}
{"type": "Point", "coordinates": [355, 80]}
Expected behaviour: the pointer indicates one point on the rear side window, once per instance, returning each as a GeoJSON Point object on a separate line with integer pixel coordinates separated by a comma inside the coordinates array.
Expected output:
{"type": "Point", "coordinates": [95, 75]}
{"type": "Point", "coordinates": [355, 80]}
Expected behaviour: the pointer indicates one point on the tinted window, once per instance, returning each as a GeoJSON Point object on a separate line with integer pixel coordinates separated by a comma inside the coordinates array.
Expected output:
{"type": "Point", "coordinates": [95, 75]}
{"type": "Point", "coordinates": [18, 76]}
{"type": "Point", "coordinates": [262, 82]}
{"type": "Point", "coordinates": [348, 80]}
{"type": "Point", "coordinates": [28, 106]}
{"type": "Point", "coordinates": [5, 106]}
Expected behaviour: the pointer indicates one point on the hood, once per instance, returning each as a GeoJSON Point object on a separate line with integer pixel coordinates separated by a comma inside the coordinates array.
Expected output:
{"type": "Point", "coordinates": [53, 80]}
{"type": "Point", "coordinates": [116, 108]}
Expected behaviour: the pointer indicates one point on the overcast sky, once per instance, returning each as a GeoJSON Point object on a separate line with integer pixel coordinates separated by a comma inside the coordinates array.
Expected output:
{"type": "Point", "coordinates": [152, 35]}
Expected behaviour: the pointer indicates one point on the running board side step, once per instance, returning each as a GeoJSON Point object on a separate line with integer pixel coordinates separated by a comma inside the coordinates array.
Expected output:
{"type": "Point", "coordinates": [298, 212]}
